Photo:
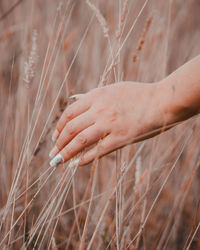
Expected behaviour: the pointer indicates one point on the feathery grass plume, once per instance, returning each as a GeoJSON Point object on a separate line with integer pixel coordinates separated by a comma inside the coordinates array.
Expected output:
{"type": "Point", "coordinates": [100, 18]}
{"type": "Point", "coordinates": [123, 16]}
{"type": "Point", "coordinates": [142, 38]}
{"type": "Point", "coordinates": [30, 64]}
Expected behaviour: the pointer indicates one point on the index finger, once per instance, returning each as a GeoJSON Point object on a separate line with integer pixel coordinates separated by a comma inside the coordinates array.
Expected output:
{"type": "Point", "coordinates": [72, 111]}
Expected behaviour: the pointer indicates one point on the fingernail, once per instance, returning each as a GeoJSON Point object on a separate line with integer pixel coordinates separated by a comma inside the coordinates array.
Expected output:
{"type": "Point", "coordinates": [75, 96]}
{"type": "Point", "coordinates": [56, 160]}
{"type": "Point", "coordinates": [74, 163]}
{"type": "Point", "coordinates": [53, 152]}
{"type": "Point", "coordinates": [55, 135]}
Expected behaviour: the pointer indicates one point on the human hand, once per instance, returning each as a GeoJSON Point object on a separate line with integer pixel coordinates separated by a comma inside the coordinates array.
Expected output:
{"type": "Point", "coordinates": [109, 118]}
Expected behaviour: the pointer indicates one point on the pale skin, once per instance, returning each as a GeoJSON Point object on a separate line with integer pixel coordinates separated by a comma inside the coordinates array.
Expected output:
{"type": "Point", "coordinates": [119, 114]}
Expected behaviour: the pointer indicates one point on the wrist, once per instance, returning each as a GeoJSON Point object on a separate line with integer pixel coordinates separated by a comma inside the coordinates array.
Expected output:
{"type": "Point", "coordinates": [169, 109]}
{"type": "Point", "coordinates": [163, 105]}
{"type": "Point", "coordinates": [175, 107]}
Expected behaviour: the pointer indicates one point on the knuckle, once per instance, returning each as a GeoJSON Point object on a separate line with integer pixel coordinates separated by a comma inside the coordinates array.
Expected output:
{"type": "Point", "coordinates": [60, 125]}
{"type": "Point", "coordinates": [82, 139]}
{"type": "Point", "coordinates": [113, 115]}
{"type": "Point", "coordinates": [99, 132]}
{"type": "Point", "coordinates": [69, 115]}
{"type": "Point", "coordinates": [70, 130]}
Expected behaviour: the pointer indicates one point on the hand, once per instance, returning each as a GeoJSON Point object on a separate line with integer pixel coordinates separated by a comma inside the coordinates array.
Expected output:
{"type": "Point", "coordinates": [109, 118]}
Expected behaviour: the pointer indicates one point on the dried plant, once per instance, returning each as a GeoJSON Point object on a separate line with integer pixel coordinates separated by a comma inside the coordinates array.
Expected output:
{"type": "Point", "coordinates": [144, 196]}
{"type": "Point", "coordinates": [142, 38]}
{"type": "Point", "coordinates": [99, 17]}
{"type": "Point", "coordinates": [30, 64]}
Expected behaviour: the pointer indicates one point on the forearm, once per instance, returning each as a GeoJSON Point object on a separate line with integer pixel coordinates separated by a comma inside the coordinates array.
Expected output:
{"type": "Point", "coordinates": [182, 91]}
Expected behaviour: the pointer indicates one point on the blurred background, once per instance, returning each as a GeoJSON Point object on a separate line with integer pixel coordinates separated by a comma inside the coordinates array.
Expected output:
{"type": "Point", "coordinates": [144, 196]}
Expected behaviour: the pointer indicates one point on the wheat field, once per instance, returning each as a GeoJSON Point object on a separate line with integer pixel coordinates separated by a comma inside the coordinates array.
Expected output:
{"type": "Point", "coordinates": [143, 196]}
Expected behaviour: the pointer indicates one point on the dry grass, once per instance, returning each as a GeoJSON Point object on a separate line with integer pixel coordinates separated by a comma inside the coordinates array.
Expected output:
{"type": "Point", "coordinates": [144, 196]}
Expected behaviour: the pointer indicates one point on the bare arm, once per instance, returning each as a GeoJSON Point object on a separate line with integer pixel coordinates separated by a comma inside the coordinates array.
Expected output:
{"type": "Point", "coordinates": [183, 89]}
{"type": "Point", "coordinates": [123, 113]}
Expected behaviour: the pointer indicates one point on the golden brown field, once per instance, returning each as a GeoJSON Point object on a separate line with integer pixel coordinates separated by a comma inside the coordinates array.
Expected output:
{"type": "Point", "coordinates": [144, 196]}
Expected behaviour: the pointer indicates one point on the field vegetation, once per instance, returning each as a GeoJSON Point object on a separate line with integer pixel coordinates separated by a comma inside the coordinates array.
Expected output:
{"type": "Point", "coordinates": [144, 196]}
